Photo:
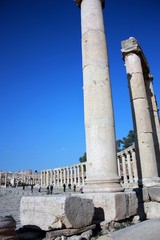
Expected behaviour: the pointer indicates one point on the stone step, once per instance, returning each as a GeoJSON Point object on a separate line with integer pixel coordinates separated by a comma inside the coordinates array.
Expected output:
{"type": "Point", "coordinates": [147, 230]}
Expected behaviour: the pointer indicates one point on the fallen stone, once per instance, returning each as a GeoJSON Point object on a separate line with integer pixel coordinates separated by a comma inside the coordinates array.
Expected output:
{"type": "Point", "coordinates": [154, 193]}
{"type": "Point", "coordinates": [87, 235]}
{"type": "Point", "coordinates": [7, 225]}
{"type": "Point", "coordinates": [68, 232]}
{"type": "Point", "coordinates": [56, 212]}
{"type": "Point", "coordinates": [147, 230]}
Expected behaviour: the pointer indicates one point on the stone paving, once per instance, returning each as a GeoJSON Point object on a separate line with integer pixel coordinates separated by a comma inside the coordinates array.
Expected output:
{"type": "Point", "coordinates": [10, 200]}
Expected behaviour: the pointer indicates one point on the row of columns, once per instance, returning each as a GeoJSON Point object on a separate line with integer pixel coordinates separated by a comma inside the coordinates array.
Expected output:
{"type": "Point", "coordinates": [102, 169]}
{"type": "Point", "coordinates": [13, 178]}
{"type": "Point", "coordinates": [69, 175]}
{"type": "Point", "coordinates": [145, 113]}
{"type": "Point", "coordinates": [127, 167]}
{"type": "Point", "coordinates": [127, 172]}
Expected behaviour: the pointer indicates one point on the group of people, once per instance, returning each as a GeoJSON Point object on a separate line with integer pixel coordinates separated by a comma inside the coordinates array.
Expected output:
{"type": "Point", "coordinates": [50, 189]}
{"type": "Point", "coordinates": [69, 187]}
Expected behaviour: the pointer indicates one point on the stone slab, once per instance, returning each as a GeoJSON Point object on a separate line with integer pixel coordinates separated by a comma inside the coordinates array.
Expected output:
{"type": "Point", "coordinates": [56, 212]}
{"type": "Point", "coordinates": [68, 232]}
{"type": "Point", "coordinates": [147, 230]}
{"type": "Point", "coordinates": [113, 206]}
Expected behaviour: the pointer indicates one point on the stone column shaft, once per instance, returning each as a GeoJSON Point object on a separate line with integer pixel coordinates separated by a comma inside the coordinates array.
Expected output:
{"type": "Point", "coordinates": [124, 169]}
{"type": "Point", "coordinates": [102, 172]}
{"type": "Point", "coordinates": [145, 150]}
{"type": "Point", "coordinates": [134, 162]}
{"type": "Point", "coordinates": [129, 168]}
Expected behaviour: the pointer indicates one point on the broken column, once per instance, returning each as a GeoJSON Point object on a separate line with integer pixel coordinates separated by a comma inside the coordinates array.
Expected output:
{"type": "Point", "coordinates": [102, 169]}
{"type": "Point", "coordinates": [136, 66]}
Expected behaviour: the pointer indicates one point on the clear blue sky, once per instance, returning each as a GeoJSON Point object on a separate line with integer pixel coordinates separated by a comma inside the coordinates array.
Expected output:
{"type": "Point", "coordinates": [41, 97]}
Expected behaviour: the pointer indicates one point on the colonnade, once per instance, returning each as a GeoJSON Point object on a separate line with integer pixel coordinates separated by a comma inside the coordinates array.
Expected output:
{"type": "Point", "coordinates": [145, 113]}
{"type": "Point", "coordinates": [75, 174]}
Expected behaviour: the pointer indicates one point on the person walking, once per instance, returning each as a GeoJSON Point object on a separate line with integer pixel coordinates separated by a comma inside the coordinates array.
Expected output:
{"type": "Point", "coordinates": [51, 188]}
{"type": "Point", "coordinates": [64, 187]}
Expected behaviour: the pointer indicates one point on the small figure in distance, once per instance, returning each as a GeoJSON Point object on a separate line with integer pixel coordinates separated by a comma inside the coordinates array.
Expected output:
{"type": "Point", "coordinates": [64, 187]}
{"type": "Point", "coordinates": [51, 188]}
{"type": "Point", "coordinates": [39, 187]}
{"type": "Point", "coordinates": [31, 188]}
{"type": "Point", "coordinates": [81, 190]}
{"type": "Point", "coordinates": [74, 187]}
{"type": "Point", "coordinates": [48, 189]}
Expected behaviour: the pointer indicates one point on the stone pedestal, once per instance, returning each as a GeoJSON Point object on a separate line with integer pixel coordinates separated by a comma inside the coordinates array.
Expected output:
{"type": "Point", "coordinates": [102, 169]}
{"type": "Point", "coordinates": [113, 206]}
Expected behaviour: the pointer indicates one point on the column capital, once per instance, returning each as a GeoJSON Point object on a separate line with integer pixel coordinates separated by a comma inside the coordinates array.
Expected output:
{"type": "Point", "coordinates": [78, 2]}
{"type": "Point", "coordinates": [131, 46]}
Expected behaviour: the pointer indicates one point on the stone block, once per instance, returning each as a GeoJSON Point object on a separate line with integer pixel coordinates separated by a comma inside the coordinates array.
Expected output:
{"type": "Point", "coordinates": [113, 206]}
{"type": "Point", "coordinates": [131, 204]}
{"type": "Point", "coordinates": [154, 193]}
{"type": "Point", "coordinates": [142, 194]}
{"type": "Point", "coordinates": [152, 210]}
{"type": "Point", "coordinates": [56, 212]}
{"type": "Point", "coordinates": [146, 230]}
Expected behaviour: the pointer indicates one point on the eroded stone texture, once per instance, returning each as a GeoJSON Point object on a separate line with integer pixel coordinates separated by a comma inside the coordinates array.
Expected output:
{"type": "Point", "coordinates": [113, 206]}
{"type": "Point", "coordinates": [56, 212]}
{"type": "Point", "coordinates": [102, 170]}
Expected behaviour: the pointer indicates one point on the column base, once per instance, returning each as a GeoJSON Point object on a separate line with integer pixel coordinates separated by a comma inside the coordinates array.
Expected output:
{"type": "Point", "coordinates": [149, 182]}
{"type": "Point", "coordinates": [97, 186]}
{"type": "Point", "coordinates": [112, 206]}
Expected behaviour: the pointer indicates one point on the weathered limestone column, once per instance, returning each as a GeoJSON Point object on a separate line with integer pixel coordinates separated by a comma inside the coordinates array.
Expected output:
{"type": "Point", "coordinates": [82, 173]}
{"type": "Point", "coordinates": [51, 177]}
{"type": "Point", "coordinates": [54, 178]}
{"type": "Point", "coordinates": [102, 173]}
{"type": "Point", "coordinates": [134, 165]}
{"type": "Point", "coordinates": [58, 177]}
{"type": "Point", "coordinates": [118, 163]}
{"type": "Point", "coordinates": [78, 174]}
{"type": "Point", "coordinates": [47, 178]}
{"type": "Point", "coordinates": [6, 176]}
{"type": "Point", "coordinates": [148, 173]}
{"type": "Point", "coordinates": [153, 107]}
{"type": "Point", "coordinates": [129, 168]}
{"type": "Point", "coordinates": [42, 175]}
{"type": "Point", "coordinates": [71, 174]}
{"type": "Point", "coordinates": [64, 175]}
{"type": "Point", "coordinates": [124, 169]}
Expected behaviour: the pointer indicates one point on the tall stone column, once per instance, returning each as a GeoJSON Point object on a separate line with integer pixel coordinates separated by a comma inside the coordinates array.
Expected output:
{"type": "Point", "coordinates": [145, 151]}
{"type": "Point", "coordinates": [102, 172]}
{"type": "Point", "coordinates": [153, 106]}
